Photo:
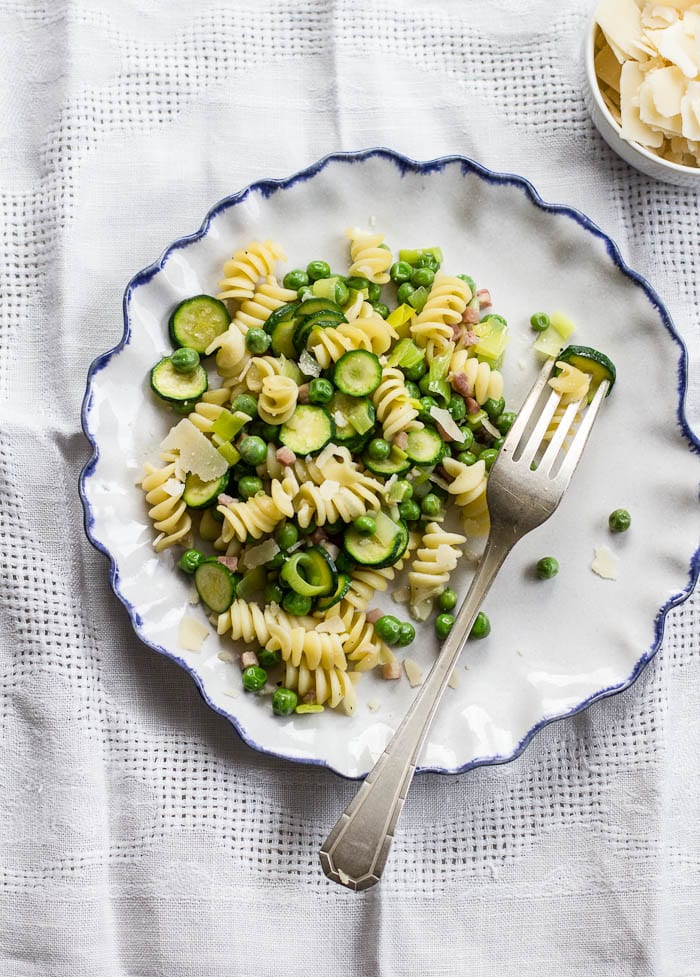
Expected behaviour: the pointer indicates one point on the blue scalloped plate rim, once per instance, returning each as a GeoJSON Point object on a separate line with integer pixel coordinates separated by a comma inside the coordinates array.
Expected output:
{"type": "Point", "coordinates": [403, 164]}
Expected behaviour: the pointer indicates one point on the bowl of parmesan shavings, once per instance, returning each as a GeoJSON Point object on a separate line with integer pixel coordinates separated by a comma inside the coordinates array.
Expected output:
{"type": "Point", "coordinates": [643, 71]}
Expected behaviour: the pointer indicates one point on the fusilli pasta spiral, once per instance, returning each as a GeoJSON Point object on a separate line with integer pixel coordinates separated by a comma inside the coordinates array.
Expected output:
{"type": "Point", "coordinates": [360, 641]}
{"type": "Point", "coordinates": [393, 404]}
{"type": "Point", "coordinates": [258, 516]}
{"type": "Point", "coordinates": [255, 311]}
{"type": "Point", "coordinates": [571, 383]}
{"type": "Point", "coordinates": [168, 512]}
{"type": "Point", "coordinates": [243, 271]}
{"type": "Point", "coordinates": [432, 327]}
{"type": "Point", "coordinates": [333, 686]}
{"type": "Point", "coordinates": [485, 383]}
{"type": "Point", "coordinates": [277, 400]}
{"type": "Point", "coordinates": [368, 332]}
{"type": "Point", "coordinates": [299, 646]}
{"type": "Point", "coordinates": [369, 259]}
{"type": "Point", "coordinates": [430, 570]}
{"type": "Point", "coordinates": [468, 488]}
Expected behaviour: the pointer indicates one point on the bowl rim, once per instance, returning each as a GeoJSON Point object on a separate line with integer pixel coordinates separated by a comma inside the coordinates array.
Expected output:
{"type": "Point", "coordinates": [667, 164]}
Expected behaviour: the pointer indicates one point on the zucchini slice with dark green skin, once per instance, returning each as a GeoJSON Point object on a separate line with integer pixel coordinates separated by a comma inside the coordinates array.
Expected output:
{"type": "Point", "coordinates": [309, 429]}
{"type": "Point", "coordinates": [317, 320]}
{"type": "Point", "coordinates": [216, 585]}
{"type": "Point", "coordinates": [199, 494]}
{"type": "Point", "coordinates": [280, 326]}
{"type": "Point", "coordinates": [310, 306]}
{"type": "Point", "coordinates": [310, 573]}
{"type": "Point", "coordinates": [383, 548]}
{"type": "Point", "coordinates": [197, 322]}
{"type": "Point", "coordinates": [358, 416]}
{"type": "Point", "coordinates": [591, 361]}
{"type": "Point", "coordinates": [425, 447]}
{"type": "Point", "coordinates": [324, 603]}
{"type": "Point", "coordinates": [357, 373]}
{"type": "Point", "coordinates": [178, 387]}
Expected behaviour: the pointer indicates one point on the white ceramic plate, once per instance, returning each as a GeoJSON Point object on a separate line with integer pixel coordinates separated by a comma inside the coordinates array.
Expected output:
{"type": "Point", "coordinates": [555, 646]}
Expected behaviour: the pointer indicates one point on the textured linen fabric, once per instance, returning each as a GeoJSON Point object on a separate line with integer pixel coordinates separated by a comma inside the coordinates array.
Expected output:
{"type": "Point", "coordinates": [139, 836]}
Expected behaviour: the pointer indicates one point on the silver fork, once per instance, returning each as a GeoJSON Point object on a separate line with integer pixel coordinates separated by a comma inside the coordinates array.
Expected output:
{"type": "Point", "coordinates": [520, 496]}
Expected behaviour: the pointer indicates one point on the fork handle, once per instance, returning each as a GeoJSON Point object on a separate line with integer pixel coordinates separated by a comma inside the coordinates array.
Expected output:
{"type": "Point", "coordinates": [355, 852]}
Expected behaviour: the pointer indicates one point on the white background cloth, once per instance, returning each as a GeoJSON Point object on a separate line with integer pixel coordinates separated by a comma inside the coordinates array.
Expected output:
{"type": "Point", "coordinates": [139, 836]}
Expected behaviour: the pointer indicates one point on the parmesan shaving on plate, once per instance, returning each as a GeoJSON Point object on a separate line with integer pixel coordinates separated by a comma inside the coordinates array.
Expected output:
{"type": "Point", "coordinates": [191, 634]}
{"type": "Point", "coordinates": [647, 62]}
{"type": "Point", "coordinates": [604, 563]}
{"type": "Point", "coordinates": [196, 452]}
{"type": "Point", "coordinates": [414, 673]}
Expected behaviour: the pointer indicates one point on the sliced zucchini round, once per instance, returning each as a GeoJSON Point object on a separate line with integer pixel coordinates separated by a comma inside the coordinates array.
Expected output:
{"type": "Point", "coordinates": [397, 463]}
{"type": "Point", "coordinates": [324, 603]}
{"type": "Point", "coordinates": [216, 585]}
{"type": "Point", "coordinates": [383, 548]}
{"type": "Point", "coordinates": [199, 494]}
{"type": "Point", "coordinates": [178, 387]}
{"type": "Point", "coordinates": [197, 322]}
{"type": "Point", "coordinates": [309, 429]}
{"type": "Point", "coordinates": [357, 373]}
{"type": "Point", "coordinates": [280, 326]}
{"type": "Point", "coordinates": [425, 447]}
{"type": "Point", "coordinates": [310, 306]}
{"type": "Point", "coordinates": [591, 361]}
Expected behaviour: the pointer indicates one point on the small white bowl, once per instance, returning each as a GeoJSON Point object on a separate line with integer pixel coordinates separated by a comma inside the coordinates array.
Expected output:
{"type": "Point", "coordinates": [636, 155]}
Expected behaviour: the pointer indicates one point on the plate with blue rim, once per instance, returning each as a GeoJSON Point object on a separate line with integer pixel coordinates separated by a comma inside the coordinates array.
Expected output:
{"type": "Point", "coordinates": [555, 646]}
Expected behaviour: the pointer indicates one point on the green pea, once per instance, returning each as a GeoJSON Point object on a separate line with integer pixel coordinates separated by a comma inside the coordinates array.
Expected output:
{"type": "Point", "coordinates": [295, 279]}
{"type": "Point", "coordinates": [400, 272]}
{"type": "Point", "coordinates": [254, 678]}
{"type": "Point", "coordinates": [190, 560]}
{"type": "Point", "coordinates": [547, 568]}
{"type": "Point", "coordinates": [404, 292]}
{"type": "Point", "coordinates": [378, 449]}
{"type": "Point", "coordinates": [273, 595]}
{"type": "Point", "coordinates": [424, 384]}
{"type": "Point", "coordinates": [413, 389]}
{"type": "Point", "coordinates": [333, 528]}
{"type": "Point", "coordinates": [494, 408]}
{"type": "Point", "coordinates": [407, 634]}
{"type": "Point", "coordinates": [388, 628]}
{"type": "Point", "coordinates": [284, 702]}
{"type": "Point", "coordinates": [365, 525]}
{"type": "Point", "coordinates": [619, 521]}
{"type": "Point", "coordinates": [268, 658]}
{"type": "Point", "coordinates": [318, 269]}
{"type": "Point", "coordinates": [342, 293]}
{"type": "Point", "coordinates": [447, 600]}
{"type": "Point", "coordinates": [443, 625]}
{"type": "Point", "coordinates": [296, 604]}
{"type": "Point", "coordinates": [257, 341]}
{"type": "Point", "coordinates": [305, 292]}
{"type": "Point", "coordinates": [277, 561]}
{"type": "Point", "coordinates": [382, 309]}
{"type": "Point", "coordinates": [430, 504]}
{"type": "Point", "coordinates": [470, 282]}
{"type": "Point", "coordinates": [497, 443]}
{"type": "Point", "coordinates": [357, 282]}
{"type": "Point", "coordinates": [505, 422]}
{"type": "Point", "coordinates": [481, 626]}
{"type": "Point", "coordinates": [488, 456]}
{"type": "Point", "coordinates": [185, 360]}
{"type": "Point", "coordinates": [269, 432]}
{"type": "Point", "coordinates": [427, 260]}
{"type": "Point", "coordinates": [320, 391]}
{"type": "Point", "coordinates": [424, 414]}
{"type": "Point", "coordinates": [457, 407]}
{"type": "Point", "coordinates": [374, 292]}
{"type": "Point", "coordinates": [249, 485]}
{"type": "Point", "coordinates": [253, 450]}
{"type": "Point", "coordinates": [422, 276]}
{"type": "Point", "coordinates": [307, 530]}
{"type": "Point", "coordinates": [246, 404]}
{"type": "Point", "coordinates": [415, 373]}
{"type": "Point", "coordinates": [343, 563]}
{"type": "Point", "coordinates": [286, 535]}
{"type": "Point", "coordinates": [540, 321]}
{"type": "Point", "coordinates": [403, 489]}
{"type": "Point", "coordinates": [468, 436]}
{"type": "Point", "coordinates": [409, 510]}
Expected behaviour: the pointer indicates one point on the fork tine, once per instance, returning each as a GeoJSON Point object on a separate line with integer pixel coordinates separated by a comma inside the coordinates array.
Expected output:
{"type": "Point", "coordinates": [559, 436]}
{"type": "Point", "coordinates": [573, 455]}
{"type": "Point", "coordinates": [524, 414]}
{"type": "Point", "coordinates": [538, 432]}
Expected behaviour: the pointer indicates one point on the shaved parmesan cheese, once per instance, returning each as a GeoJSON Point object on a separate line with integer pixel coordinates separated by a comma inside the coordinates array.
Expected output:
{"type": "Point", "coordinates": [331, 625]}
{"type": "Point", "coordinates": [257, 555]}
{"type": "Point", "coordinates": [174, 488]}
{"type": "Point", "coordinates": [690, 111]}
{"type": "Point", "coordinates": [309, 365]}
{"type": "Point", "coordinates": [447, 423]}
{"type": "Point", "coordinates": [677, 47]}
{"type": "Point", "coordinates": [454, 680]}
{"type": "Point", "coordinates": [658, 16]}
{"type": "Point", "coordinates": [607, 68]}
{"type": "Point", "coordinates": [373, 705]}
{"type": "Point", "coordinates": [196, 453]}
{"type": "Point", "coordinates": [621, 22]}
{"type": "Point", "coordinates": [191, 634]}
{"type": "Point", "coordinates": [414, 673]}
{"type": "Point", "coordinates": [667, 86]}
{"type": "Point", "coordinates": [604, 563]}
{"type": "Point", "coordinates": [633, 128]}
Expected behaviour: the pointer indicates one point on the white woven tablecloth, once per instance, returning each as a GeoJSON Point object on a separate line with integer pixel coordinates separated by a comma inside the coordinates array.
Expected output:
{"type": "Point", "coordinates": [138, 835]}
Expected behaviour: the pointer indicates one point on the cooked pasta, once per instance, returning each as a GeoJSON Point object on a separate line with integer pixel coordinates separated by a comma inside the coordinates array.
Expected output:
{"type": "Point", "coordinates": [484, 382]}
{"type": "Point", "coordinates": [368, 332]}
{"type": "Point", "coordinates": [468, 488]}
{"type": "Point", "coordinates": [447, 300]}
{"type": "Point", "coordinates": [368, 258]}
{"type": "Point", "coordinates": [431, 568]}
{"type": "Point", "coordinates": [244, 270]}
{"type": "Point", "coordinates": [258, 516]}
{"type": "Point", "coordinates": [360, 641]}
{"type": "Point", "coordinates": [299, 646]}
{"type": "Point", "coordinates": [392, 401]}
{"type": "Point", "coordinates": [254, 312]}
{"type": "Point", "coordinates": [332, 686]}
{"type": "Point", "coordinates": [167, 510]}
{"type": "Point", "coordinates": [571, 383]}
{"type": "Point", "coordinates": [278, 398]}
